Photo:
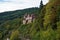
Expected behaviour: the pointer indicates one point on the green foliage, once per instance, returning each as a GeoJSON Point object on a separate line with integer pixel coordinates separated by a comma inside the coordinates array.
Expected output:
{"type": "Point", "coordinates": [0, 35]}
{"type": "Point", "coordinates": [48, 35]}
{"type": "Point", "coordinates": [51, 13]}
{"type": "Point", "coordinates": [58, 30]}
{"type": "Point", "coordinates": [40, 29]}
{"type": "Point", "coordinates": [14, 35]}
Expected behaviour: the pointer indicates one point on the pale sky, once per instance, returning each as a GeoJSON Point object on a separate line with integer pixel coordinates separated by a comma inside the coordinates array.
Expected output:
{"type": "Point", "coordinates": [10, 5]}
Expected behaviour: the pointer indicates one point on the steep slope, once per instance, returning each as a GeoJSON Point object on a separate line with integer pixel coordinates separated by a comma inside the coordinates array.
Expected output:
{"type": "Point", "coordinates": [52, 11]}
{"type": "Point", "coordinates": [50, 20]}
{"type": "Point", "coordinates": [46, 25]}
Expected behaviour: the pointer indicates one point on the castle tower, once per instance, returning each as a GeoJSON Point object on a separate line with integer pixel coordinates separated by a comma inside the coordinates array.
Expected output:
{"type": "Point", "coordinates": [28, 19]}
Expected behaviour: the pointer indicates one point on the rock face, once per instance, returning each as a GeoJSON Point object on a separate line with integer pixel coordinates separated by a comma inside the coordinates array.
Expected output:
{"type": "Point", "coordinates": [28, 18]}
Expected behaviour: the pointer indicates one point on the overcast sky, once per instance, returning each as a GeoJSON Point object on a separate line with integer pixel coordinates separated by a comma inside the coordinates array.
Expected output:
{"type": "Point", "coordinates": [9, 5]}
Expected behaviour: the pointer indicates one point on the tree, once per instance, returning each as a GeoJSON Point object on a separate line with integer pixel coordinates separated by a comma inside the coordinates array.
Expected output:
{"type": "Point", "coordinates": [14, 35]}
{"type": "Point", "coordinates": [41, 4]}
{"type": "Point", "coordinates": [40, 7]}
{"type": "Point", "coordinates": [50, 18]}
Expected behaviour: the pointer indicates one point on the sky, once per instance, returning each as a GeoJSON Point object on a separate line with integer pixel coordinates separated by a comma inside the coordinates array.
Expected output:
{"type": "Point", "coordinates": [10, 5]}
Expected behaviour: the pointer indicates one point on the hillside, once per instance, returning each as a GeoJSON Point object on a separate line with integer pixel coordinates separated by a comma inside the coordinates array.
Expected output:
{"type": "Point", "coordinates": [45, 26]}
{"type": "Point", "coordinates": [16, 14]}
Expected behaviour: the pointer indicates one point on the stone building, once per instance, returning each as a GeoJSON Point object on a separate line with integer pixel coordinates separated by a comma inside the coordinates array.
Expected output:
{"type": "Point", "coordinates": [28, 18]}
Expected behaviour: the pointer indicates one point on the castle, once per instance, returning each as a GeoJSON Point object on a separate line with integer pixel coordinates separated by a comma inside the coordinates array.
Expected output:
{"type": "Point", "coordinates": [28, 18]}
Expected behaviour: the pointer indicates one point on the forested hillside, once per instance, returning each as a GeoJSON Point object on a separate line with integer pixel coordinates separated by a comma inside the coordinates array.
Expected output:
{"type": "Point", "coordinates": [16, 14]}
{"type": "Point", "coordinates": [46, 25]}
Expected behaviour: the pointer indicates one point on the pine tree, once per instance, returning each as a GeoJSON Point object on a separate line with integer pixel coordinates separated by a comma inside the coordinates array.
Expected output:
{"type": "Point", "coordinates": [41, 14]}
{"type": "Point", "coordinates": [40, 7]}
{"type": "Point", "coordinates": [41, 4]}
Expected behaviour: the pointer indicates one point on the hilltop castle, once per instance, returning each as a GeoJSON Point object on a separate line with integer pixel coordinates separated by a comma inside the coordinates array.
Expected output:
{"type": "Point", "coordinates": [28, 18]}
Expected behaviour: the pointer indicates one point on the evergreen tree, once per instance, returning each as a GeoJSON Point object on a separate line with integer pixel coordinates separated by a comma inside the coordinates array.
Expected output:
{"type": "Point", "coordinates": [41, 14]}
{"type": "Point", "coordinates": [41, 6]}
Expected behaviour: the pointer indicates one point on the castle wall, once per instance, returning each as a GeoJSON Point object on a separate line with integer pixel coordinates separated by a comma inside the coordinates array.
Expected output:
{"type": "Point", "coordinates": [24, 21]}
{"type": "Point", "coordinates": [28, 19]}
